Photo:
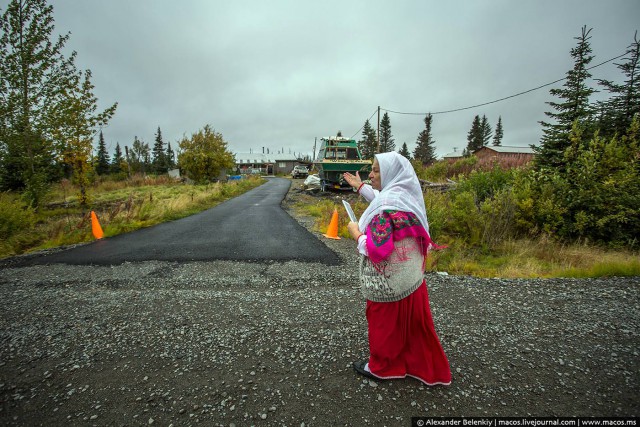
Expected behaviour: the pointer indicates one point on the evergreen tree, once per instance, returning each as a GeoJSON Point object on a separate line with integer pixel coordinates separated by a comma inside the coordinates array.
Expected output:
{"type": "Point", "coordinates": [474, 137]}
{"type": "Point", "coordinates": [159, 156]}
{"type": "Point", "coordinates": [34, 76]}
{"type": "Point", "coordinates": [368, 144]}
{"type": "Point", "coordinates": [497, 137]}
{"type": "Point", "coordinates": [116, 164]}
{"type": "Point", "coordinates": [387, 142]}
{"type": "Point", "coordinates": [102, 166]}
{"type": "Point", "coordinates": [617, 112]}
{"type": "Point", "coordinates": [404, 151]}
{"type": "Point", "coordinates": [485, 131]}
{"type": "Point", "coordinates": [425, 151]}
{"type": "Point", "coordinates": [574, 106]}
{"type": "Point", "coordinates": [170, 157]}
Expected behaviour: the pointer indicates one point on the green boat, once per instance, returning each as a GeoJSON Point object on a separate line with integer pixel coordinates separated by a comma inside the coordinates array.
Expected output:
{"type": "Point", "coordinates": [338, 155]}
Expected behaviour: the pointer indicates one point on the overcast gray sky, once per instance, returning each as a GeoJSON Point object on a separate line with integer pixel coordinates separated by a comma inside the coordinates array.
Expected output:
{"type": "Point", "coordinates": [279, 73]}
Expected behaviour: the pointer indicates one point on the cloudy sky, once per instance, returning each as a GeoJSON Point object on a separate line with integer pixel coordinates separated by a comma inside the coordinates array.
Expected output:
{"type": "Point", "coordinates": [279, 73]}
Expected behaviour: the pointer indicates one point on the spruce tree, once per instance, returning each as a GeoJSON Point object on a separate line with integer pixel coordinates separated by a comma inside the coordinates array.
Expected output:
{"type": "Point", "coordinates": [474, 137]}
{"type": "Point", "coordinates": [574, 106]}
{"type": "Point", "coordinates": [159, 156]}
{"type": "Point", "coordinates": [485, 131]}
{"type": "Point", "coordinates": [368, 144]}
{"type": "Point", "coordinates": [497, 137]}
{"type": "Point", "coordinates": [102, 166]}
{"type": "Point", "coordinates": [617, 112]}
{"type": "Point", "coordinates": [425, 151]}
{"type": "Point", "coordinates": [404, 151]}
{"type": "Point", "coordinates": [387, 142]}
{"type": "Point", "coordinates": [116, 164]}
{"type": "Point", "coordinates": [170, 157]}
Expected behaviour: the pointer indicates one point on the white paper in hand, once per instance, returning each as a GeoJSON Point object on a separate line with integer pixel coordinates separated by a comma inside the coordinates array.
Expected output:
{"type": "Point", "coordinates": [347, 206]}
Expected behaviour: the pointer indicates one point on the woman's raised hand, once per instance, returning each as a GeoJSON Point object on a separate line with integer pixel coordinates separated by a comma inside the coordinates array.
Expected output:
{"type": "Point", "coordinates": [352, 180]}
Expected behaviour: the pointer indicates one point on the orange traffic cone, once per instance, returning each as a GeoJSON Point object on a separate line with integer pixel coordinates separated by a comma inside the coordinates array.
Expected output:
{"type": "Point", "coordinates": [332, 231]}
{"type": "Point", "coordinates": [95, 226]}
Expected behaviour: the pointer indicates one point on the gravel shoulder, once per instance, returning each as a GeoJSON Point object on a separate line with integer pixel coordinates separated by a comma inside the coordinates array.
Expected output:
{"type": "Point", "coordinates": [240, 343]}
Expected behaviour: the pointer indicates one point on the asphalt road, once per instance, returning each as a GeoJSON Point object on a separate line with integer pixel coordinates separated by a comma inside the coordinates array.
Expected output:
{"type": "Point", "coordinates": [251, 227]}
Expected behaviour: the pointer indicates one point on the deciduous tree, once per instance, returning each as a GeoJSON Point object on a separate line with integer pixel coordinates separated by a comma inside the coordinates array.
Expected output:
{"type": "Point", "coordinates": [205, 155]}
{"type": "Point", "coordinates": [78, 120]}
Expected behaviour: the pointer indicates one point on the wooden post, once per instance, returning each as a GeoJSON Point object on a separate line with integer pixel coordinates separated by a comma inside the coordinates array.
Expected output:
{"type": "Point", "coordinates": [378, 149]}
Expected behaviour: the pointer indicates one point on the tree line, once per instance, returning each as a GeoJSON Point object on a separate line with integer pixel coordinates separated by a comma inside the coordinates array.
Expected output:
{"type": "Point", "coordinates": [140, 158]}
{"type": "Point", "coordinates": [424, 153]}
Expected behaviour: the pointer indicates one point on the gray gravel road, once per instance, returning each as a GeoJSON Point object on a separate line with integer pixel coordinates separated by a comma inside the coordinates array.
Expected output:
{"type": "Point", "coordinates": [271, 343]}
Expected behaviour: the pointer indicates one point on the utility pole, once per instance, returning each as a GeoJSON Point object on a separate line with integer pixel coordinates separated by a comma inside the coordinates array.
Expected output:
{"type": "Point", "coordinates": [315, 140]}
{"type": "Point", "coordinates": [378, 150]}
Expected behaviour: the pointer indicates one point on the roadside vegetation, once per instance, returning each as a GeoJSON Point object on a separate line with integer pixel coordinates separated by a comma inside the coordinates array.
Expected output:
{"type": "Point", "coordinates": [121, 206]}
{"type": "Point", "coordinates": [485, 222]}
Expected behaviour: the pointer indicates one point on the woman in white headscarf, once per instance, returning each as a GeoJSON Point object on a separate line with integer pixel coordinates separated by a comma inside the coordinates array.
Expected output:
{"type": "Point", "coordinates": [393, 239]}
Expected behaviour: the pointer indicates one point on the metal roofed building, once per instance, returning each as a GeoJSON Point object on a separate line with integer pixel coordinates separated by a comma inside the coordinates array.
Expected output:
{"type": "Point", "coordinates": [264, 164]}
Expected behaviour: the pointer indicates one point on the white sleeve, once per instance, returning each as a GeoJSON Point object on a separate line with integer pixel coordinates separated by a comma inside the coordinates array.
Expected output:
{"type": "Point", "coordinates": [368, 192]}
{"type": "Point", "coordinates": [362, 245]}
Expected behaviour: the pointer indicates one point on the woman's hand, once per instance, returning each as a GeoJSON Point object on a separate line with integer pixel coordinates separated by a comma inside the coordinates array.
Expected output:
{"type": "Point", "coordinates": [352, 180]}
{"type": "Point", "coordinates": [354, 230]}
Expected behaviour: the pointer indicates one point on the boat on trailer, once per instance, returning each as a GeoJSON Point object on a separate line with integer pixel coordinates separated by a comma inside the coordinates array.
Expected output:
{"type": "Point", "coordinates": [336, 156]}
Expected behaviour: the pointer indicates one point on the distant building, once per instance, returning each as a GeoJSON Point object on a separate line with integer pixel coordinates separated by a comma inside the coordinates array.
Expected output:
{"type": "Point", "coordinates": [508, 156]}
{"type": "Point", "coordinates": [452, 157]}
{"type": "Point", "coordinates": [265, 164]}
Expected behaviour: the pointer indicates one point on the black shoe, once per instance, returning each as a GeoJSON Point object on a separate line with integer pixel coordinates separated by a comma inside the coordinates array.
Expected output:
{"type": "Point", "coordinates": [359, 368]}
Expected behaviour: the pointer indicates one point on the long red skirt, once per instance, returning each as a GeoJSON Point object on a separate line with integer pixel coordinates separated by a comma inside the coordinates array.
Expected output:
{"type": "Point", "coordinates": [403, 340]}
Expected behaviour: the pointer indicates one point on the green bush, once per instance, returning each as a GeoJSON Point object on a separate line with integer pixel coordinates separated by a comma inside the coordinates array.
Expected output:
{"type": "Point", "coordinates": [437, 205]}
{"type": "Point", "coordinates": [15, 216]}
{"type": "Point", "coordinates": [484, 184]}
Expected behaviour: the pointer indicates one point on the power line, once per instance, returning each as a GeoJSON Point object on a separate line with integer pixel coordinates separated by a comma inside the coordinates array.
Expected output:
{"type": "Point", "coordinates": [374, 112]}
{"type": "Point", "coordinates": [501, 99]}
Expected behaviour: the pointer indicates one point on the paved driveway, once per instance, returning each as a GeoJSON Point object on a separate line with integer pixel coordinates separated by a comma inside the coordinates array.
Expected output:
{"type": "Point", "coordinates": [251, 227]}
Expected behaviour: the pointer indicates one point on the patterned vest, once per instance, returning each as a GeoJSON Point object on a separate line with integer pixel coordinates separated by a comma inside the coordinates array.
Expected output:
{"type": "Point", "coordinates": [397, 276]}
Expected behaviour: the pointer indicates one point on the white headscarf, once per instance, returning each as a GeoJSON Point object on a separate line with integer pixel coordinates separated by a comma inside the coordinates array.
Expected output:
{"type": "Point", "coordinates": [401, 190]}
